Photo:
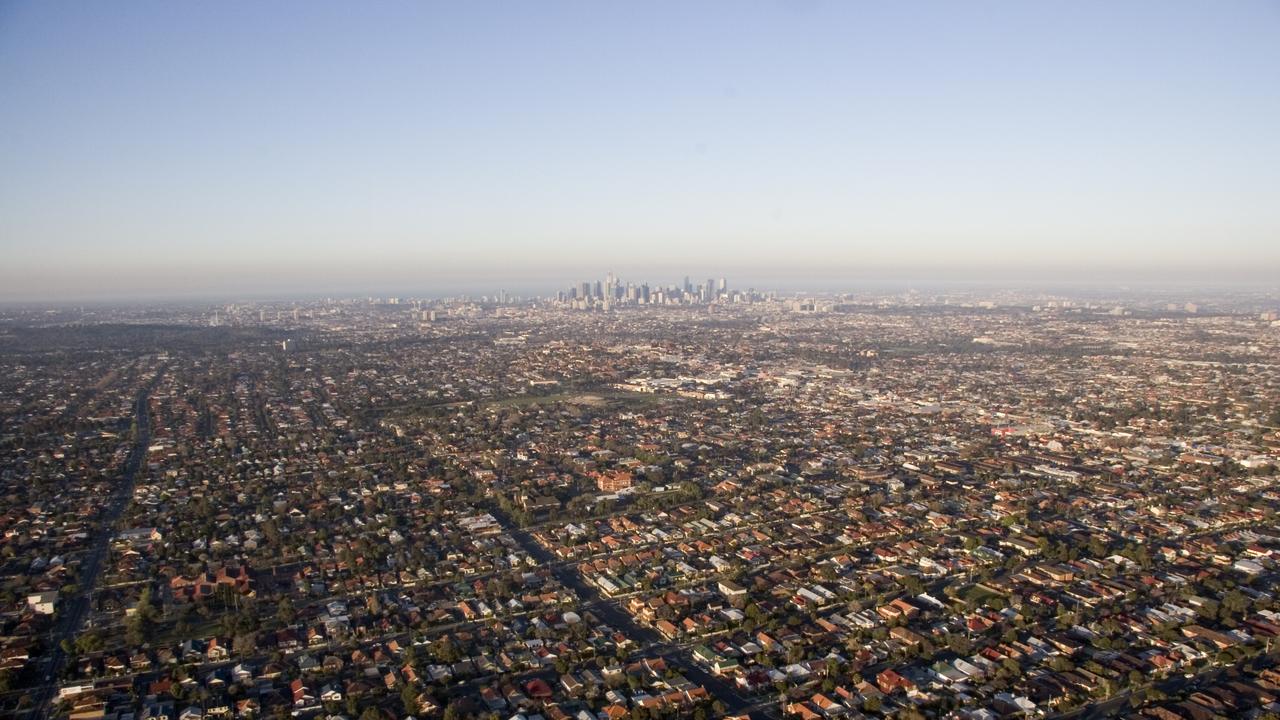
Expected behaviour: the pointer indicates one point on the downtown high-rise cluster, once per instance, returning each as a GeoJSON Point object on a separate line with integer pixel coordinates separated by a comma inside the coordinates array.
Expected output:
{"type": "Point", "coordinates": [612, 292]}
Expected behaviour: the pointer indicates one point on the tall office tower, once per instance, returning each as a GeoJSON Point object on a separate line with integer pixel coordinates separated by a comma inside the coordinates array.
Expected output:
{"type": "Point", "coordinates": [711, 287]}
{"type": "Point", "coordinates": [688, 286]}
{"type": "Point", "coordinates": [609, 279]}
{"type": "Point", "coordinates": [599, 290]}
{"type": "Point", "coordinates": [723, 285]}
{"type": "Point", "coordinates": [644, 293]}
{"type": "Point", "coordinates": [585, 292]}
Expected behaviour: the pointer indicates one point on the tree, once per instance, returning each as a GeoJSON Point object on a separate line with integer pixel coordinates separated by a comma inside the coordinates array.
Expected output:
{"type": "Point", "coordinates": [245, 644]}
{"type": "Point", "coordinates": [285, 612]}
{"type": "Point", "coordinates": [89, 642]}
{"type": "Point", "coordinates": [444, 650]}
{"type": "Point", "coordinates": [409, 697]}
{"type": "Point", "coordinates": [146, 609]}
{"type": "Point", "coordinates": [134, 632]}
{"type": "Point", "coordinates": [411, 656]}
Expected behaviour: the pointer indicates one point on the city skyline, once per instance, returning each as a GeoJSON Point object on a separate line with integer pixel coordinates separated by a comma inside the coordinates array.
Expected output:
{"type": "Point", "coordinates": [220, 151]}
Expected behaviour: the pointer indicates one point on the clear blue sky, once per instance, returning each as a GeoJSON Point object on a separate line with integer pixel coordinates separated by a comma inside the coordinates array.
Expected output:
{"type": "Point", "coordinates": [224, 147]}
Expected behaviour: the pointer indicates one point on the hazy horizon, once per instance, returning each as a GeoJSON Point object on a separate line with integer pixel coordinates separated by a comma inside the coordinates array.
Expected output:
{"type": "Point", "coordinates": [868, 282]}
{"type": "Point", "coordinates": [155, 150]}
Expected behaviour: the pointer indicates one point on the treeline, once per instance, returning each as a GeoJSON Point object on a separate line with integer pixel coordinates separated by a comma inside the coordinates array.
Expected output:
{"type": "Point", "coordinates": [138, 338]}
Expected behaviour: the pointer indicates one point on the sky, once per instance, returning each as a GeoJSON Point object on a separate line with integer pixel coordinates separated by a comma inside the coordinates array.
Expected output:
{"type": "Point", "coordinates": [245, 148]}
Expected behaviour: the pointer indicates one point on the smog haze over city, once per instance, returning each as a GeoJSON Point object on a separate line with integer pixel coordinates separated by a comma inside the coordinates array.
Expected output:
{"type": "Point", "coordinates": [791, 360]}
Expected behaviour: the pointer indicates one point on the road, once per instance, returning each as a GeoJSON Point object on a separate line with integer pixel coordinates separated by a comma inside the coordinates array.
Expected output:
{"type": "Point", "coordinates": [1171, 687]}
{"type": "Point", "coordinates": [74, 610]}
{"type": "Point", "coordinates": [650, 643]}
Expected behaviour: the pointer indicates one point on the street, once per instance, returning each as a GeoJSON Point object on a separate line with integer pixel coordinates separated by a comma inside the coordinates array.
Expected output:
{"type": "Point", "coordinates": [74, 610]}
